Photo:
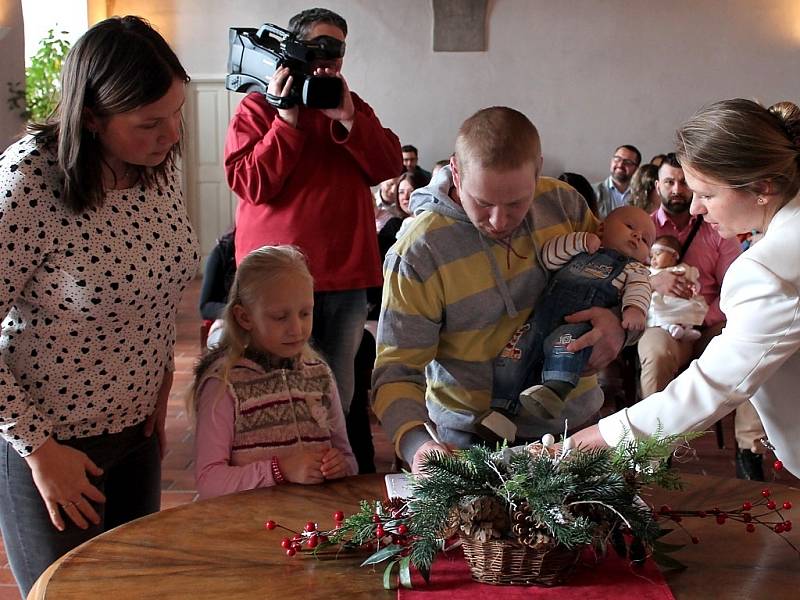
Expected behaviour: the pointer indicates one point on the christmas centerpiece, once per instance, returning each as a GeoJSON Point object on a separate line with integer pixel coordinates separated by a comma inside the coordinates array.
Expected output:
{"type": "Point", "coordinates": [523, 515]}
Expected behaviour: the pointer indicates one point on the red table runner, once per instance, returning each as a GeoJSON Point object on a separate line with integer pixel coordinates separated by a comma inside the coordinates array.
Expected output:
{"type": "Point", "coordinates": [612, 577]}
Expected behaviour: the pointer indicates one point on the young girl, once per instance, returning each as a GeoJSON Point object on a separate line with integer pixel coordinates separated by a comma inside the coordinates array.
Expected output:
{"type": "Point", "coordinates": [267, 407]}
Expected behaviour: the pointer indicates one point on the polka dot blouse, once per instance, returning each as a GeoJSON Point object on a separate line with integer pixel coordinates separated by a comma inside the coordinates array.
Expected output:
{"type": "Point", "coordinates": [87, 301]}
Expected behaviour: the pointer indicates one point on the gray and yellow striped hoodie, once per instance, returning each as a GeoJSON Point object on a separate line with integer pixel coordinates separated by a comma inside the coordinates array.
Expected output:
{"type": "Point", "coordinates": [452, 298]}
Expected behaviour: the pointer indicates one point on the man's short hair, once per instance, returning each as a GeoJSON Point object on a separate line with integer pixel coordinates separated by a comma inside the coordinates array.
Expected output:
{"type": "Point", "coordinates": [302, 23]}
{"type": "Point", "coordinates": [634, 149]}
{"type": "Point", "coordinates": [497, 138]}
{"type": "Point", "coordinates": [671, 160]}
{"type": "Point", "coordinates": [409, 148]}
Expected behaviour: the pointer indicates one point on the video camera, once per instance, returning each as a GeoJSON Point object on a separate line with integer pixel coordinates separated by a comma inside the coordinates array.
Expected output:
{"type": "Point", "coordinates": [255, 55]}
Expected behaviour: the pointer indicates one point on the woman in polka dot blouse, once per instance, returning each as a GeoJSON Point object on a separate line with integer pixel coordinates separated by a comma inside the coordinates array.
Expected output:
{"type": "Point", "coordinates": [95, 251]}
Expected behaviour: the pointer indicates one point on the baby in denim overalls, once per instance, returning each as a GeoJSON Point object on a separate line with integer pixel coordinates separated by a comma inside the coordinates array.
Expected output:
{"type": "Point", "coordinates": [605, 271]}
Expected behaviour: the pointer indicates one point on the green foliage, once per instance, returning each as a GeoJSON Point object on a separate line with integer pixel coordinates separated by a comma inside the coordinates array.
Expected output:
{"type": "Point", "coordinates": [585, 497]}
{"type": "Point", "coordinates": [573, 499]}
{"type": "Point", "coordinates": [40, 95]}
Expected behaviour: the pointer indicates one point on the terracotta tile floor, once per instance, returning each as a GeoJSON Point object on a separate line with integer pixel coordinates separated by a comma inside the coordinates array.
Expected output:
{"type": "Point", "coordinates": [178, 482]}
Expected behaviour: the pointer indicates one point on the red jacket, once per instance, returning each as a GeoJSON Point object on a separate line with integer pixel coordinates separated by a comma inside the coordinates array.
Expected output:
{"type": "Point", "coordinates": [309, 187]}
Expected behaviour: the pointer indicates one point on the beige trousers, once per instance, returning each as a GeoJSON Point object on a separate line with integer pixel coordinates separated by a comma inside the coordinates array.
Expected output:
{"type": "Point", "coordinates": [662, 357]}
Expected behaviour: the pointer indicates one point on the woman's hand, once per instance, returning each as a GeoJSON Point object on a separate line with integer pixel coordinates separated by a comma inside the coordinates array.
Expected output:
{"type": "Point", "coordinates": [304, 466]}
{"type": "Point", "coordinates": [59, 473]}
{"type": "Point", "coordinates": [156, 422]}
{"type": "Point", "coordinates": [334, 465]}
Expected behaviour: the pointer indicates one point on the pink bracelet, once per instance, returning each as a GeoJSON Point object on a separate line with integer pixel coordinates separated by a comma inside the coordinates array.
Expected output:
{"type": "Point", "coordinates": [277, 475]}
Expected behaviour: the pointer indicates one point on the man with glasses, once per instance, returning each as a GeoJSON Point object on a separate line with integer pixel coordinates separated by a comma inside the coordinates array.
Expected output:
{"type": "Point", "coordinates": [461, 284]}
{"type": "Point", "coordinates": [303, 177]}
{"type": "Point", "coordinates": [614, 191]}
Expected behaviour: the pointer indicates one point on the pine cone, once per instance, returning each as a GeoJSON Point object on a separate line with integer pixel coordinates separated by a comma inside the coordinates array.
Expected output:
{"type": "Point", "coordinates": [483, 518]}
{"type": "Point", "coordinates": [527, 530]}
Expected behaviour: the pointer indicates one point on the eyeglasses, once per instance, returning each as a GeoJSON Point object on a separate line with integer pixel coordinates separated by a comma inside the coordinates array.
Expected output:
{"type": "Point", "coordinates": [623, 161]}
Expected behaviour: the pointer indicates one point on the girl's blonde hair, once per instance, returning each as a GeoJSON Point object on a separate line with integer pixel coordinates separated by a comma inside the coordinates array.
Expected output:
{"type": "Point", "coordinates": [256, 274]}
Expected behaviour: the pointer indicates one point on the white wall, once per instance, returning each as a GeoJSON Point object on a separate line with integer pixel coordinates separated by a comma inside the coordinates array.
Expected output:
{"type": "Point", "coordinates": [12, 67]}
{"type": "Point", "coordinates": [591, 74]}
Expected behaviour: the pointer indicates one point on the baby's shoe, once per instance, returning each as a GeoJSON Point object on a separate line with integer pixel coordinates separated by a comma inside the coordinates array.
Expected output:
{"type": "Point", "coordinates": [542, 402]}
{"type": "Point", "coordinates": [676, 331]}
{"type": "Point", "coordinates": [691, 334]}
{"type": "Point", "coordinates": [494, 427]}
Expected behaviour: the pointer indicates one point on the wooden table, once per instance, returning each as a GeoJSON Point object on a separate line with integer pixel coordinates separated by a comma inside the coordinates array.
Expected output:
{"type": "Point", "coordinates": [220, 549]}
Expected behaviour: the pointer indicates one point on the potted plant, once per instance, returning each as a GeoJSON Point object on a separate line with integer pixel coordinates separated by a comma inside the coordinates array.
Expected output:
{"type": "Point", "coordinates": [37, 100]}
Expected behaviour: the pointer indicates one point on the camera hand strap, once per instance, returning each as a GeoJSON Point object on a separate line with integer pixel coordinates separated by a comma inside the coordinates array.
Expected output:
{"type": "Point", "coordinates": [280, 102]}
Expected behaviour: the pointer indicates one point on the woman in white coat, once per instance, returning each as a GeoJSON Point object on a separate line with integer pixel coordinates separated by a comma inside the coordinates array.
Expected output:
{"type": "Point", "coordinates": [742, 161]}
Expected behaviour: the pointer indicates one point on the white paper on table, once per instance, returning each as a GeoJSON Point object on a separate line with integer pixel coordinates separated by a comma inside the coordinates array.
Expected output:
{"type": "Point", "coordinates": [398, 485]}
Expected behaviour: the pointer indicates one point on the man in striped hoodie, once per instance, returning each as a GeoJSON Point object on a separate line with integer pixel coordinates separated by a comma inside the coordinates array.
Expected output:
{"type": "Point", "coordinates": [464, 278]}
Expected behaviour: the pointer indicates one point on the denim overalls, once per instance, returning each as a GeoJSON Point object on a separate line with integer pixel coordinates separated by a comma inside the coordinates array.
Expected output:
{"type": "Point", "coordinates": [539, 345]}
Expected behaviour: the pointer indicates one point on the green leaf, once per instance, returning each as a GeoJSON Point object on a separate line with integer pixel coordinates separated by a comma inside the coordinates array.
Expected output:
{"type": "Point", "coordinates": [666, 548]}
{"type": "Point", "coordinates": [389, 582]}
{"type": "Point", "coordinates": [383, 554]}
{"type": "Point", "coordinates": [668, 562]}
{"type": "Point", "coordinates": [405, 572]}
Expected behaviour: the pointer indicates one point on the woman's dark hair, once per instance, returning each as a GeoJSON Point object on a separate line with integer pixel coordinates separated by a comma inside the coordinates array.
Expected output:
{"type": "Point", "coordinates": [118, 65]}
{"type": "Point", "coordinates": [584, 188]}
{"type": "Point", "coordinates": [415, 179]}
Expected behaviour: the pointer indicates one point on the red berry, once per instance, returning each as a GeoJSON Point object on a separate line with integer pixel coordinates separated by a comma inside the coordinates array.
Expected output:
{"type": "Point", "coordinates": [765, 492]}
{"type": "Point", "coordinates": [379, 531]}
{"type": "Point", "coordinates": [402, 529]}
{"type": "Point", "coordinates": [297, 537]}
{"type": "Point", "coordinates": [338, 516]}
{"type": "Point", "coordinates": [286, 543]}
{"type": "Point", "coordinates": [747, 517]}
{"type": "Point", "coordinates": [779, 528]}
{"type": "Point", "coordinates": [771, 505]}
{"type": "Point", "coordinates": [270, 525]}
{"type": "Point", "coordinates": [787, 525]}
{"type": "Point", "coordinates": [747, 506]}
{"type": "Point", "coordinates": [750, 528]}
{"type": "Point", "coordinates": [695, 540]}
{"type": "Point", "coordinates": [721, 519]}
{"type": "Point", "coordinates": [291, 552]}
{"type": "Point", "coordinates": [665, 510]}
{"type": "Point", "coordinates": [777, 465]}
{"type": "Point", "coordinates": [787, 505]}
{"type": "Point", "coordinates": [376, 518]}
{"type": "Point", "coordinates": [312, 541]}
{"type": "Point", "coordinates": [311, 526]}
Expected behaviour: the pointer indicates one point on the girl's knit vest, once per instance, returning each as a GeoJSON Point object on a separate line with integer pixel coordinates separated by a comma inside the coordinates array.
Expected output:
{"type": "Point", "coordinates": [277, 407]}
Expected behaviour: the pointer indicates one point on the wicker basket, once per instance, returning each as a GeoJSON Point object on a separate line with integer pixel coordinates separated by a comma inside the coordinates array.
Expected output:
{"type": "Point", "coordinates": [508, 562]}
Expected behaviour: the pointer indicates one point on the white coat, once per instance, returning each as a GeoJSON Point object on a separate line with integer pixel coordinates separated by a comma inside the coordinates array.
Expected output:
{"type": "Point", "coordinates": [755, 357]}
